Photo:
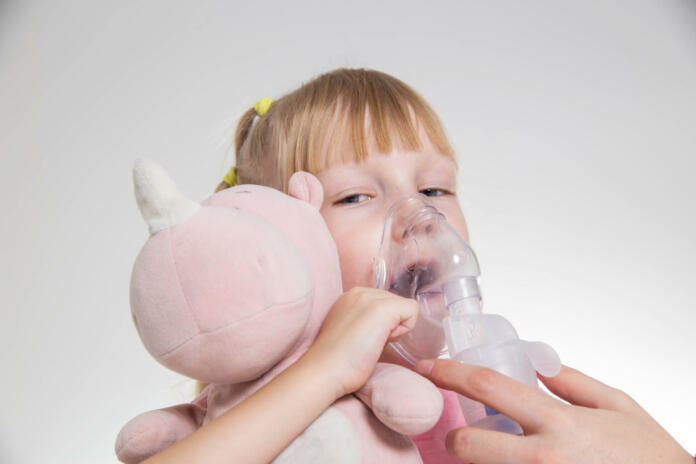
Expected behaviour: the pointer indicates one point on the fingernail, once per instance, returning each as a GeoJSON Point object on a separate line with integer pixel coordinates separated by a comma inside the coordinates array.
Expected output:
{"type": "Point", "coordinates": [424, 367]}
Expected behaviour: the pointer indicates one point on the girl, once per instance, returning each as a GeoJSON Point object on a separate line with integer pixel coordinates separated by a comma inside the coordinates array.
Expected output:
{"type": "Point", "coordinates": [370, 139]}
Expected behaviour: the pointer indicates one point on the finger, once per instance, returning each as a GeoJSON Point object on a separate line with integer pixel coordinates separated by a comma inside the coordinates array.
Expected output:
{"type": "Point", "coordinates": [582, 390]}
{"type": "Point", "coordinates": [529, 407]}
{"type": "Point", "coordinates": [470, 444]}
{"type": "Point", "coordinates": [407, 314]}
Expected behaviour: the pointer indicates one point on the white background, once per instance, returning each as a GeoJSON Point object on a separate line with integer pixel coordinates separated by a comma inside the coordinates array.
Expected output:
{"type": "Point", "coordinates": [575, 123]}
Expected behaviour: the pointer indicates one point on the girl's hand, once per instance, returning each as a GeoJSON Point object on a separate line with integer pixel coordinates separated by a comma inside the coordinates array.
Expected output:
{"type": "Point", "coordinates": [601, 425]}
{"type": "Point", "coordinates": [360, 323]}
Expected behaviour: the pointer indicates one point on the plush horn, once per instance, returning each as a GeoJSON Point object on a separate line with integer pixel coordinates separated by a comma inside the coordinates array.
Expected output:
{"type": "Point", "coordinates": [160, 201]}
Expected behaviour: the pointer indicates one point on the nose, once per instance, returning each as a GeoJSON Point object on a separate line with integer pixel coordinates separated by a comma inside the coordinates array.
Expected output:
{"type": "Point", "coordinates": [404, 217]}
{"type": "Point", "coordinates": [410, 224]}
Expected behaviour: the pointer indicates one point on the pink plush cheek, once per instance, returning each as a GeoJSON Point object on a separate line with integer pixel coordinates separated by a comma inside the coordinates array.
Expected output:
{"type": "Point", "coordinates": [305, 227]}
{"type": "Point", "coordinates": [233, 265]}
{"type": "Point", "coordinates": [242, 351]}
{"type": "Point", "coordinates": [222, 297]}
{"type": "Point", "coordinates": [158, 305]}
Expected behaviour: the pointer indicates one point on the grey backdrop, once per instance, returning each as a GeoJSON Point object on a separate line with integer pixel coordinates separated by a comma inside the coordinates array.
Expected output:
{"type": "Point", "coordinates": [574, 122]}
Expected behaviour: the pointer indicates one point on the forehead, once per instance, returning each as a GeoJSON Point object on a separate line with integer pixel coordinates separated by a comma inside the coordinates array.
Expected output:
{"type": "Point", "coordinates": [422, 164]}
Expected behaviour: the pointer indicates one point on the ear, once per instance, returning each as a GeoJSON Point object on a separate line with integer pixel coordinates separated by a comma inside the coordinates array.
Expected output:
{"type": "Point", "coordinates": [306, 187]}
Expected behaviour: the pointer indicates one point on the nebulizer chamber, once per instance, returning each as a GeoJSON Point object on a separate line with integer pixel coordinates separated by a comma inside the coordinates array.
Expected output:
{"type": "Point", "coordinates": [422, 256]}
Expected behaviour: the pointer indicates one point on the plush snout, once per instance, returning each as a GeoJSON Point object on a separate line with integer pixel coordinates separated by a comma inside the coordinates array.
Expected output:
{"type": "Point", "coordinates": [221, 297]}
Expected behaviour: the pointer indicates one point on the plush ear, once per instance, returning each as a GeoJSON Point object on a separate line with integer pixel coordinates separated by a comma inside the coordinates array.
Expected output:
{"type": "Point", "coordinates": [304, 186]}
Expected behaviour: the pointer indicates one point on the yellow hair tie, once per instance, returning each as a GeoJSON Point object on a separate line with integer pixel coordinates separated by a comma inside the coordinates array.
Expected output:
{"type": "Point", "coordinates": [231, 177]}
{"type": "Point", "coordinates": [262, 106]}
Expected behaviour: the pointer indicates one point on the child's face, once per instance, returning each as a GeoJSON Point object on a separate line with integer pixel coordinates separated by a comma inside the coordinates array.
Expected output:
{"type": "Point", "coordinates": [357, 196]}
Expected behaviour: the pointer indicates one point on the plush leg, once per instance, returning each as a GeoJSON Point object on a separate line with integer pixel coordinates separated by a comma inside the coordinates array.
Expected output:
{"type": "Point", "coordinates": [153, 431]}
{"type": "Point", "coordinates": [403, 400]}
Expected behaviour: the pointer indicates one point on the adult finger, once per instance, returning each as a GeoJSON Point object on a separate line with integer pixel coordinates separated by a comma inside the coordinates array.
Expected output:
{"type": "Point", "coordinates": [470, 444]}
{"type": "Point", "coordinates": [529, 407]}
{"type": "Point", "coordinates": [582, 390]}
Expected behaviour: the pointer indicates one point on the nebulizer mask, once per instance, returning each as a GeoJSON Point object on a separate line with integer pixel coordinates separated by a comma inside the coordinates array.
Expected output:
{"type": "Point", "coordinates": [421, 256]}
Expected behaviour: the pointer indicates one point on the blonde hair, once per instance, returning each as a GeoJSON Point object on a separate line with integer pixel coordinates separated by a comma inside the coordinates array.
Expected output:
{"type": "Point", "coordinates": [333, 118]}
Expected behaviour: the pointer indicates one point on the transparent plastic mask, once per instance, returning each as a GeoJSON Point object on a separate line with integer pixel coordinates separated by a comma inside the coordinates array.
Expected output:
{"type": "Point", "coordinates": [421, 256]}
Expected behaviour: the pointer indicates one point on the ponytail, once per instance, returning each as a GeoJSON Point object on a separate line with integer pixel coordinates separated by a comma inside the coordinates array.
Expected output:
{"type": "Point", "coordinates": [240, 135]}
{"type": "Point", "coordinates": [243, 128]}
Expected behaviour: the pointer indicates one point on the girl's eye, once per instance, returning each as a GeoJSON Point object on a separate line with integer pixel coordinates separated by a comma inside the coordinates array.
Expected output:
{"type": "Point", "coordinates": [433, 192]}
{"type": "Point", "coordinates": [352, 199]}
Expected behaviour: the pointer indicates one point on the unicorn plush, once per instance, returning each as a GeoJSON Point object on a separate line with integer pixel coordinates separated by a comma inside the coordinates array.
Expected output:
{"type": "Point", "coordinates": [232, 291]}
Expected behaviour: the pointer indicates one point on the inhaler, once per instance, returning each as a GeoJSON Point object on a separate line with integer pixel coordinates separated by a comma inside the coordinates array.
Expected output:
{"type": "Point", "coordinates": [421, 256]}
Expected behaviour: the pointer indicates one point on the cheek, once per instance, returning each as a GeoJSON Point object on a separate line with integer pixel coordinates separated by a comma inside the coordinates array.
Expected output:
{"type": "Point", "coordinates": [357, 243]}
{"type": "Point", "coordinates": [461, 227]}
{"type": "Point", "coordinates": [356, 251]}
{"type": "Point", "coordinates": [456, 218]}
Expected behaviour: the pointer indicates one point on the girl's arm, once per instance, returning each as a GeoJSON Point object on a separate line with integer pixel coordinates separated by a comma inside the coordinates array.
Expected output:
{"type": "Point", "coordinates": [339, 362]}
{"type": "Point", "coordinates": [260, 427]}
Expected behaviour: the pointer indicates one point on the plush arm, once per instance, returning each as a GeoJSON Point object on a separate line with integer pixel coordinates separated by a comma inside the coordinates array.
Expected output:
{"type": "Point", "coordinates": [153, 431]}
{"type": "Point", "coordinates": [403, 400]}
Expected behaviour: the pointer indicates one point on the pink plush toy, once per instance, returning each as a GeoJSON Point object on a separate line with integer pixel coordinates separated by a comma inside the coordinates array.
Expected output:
{"type": "Point", "coordinates": [234, 290]}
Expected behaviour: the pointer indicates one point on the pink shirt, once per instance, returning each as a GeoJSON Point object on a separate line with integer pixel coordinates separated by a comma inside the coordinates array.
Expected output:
{"type": "Point", "coordinates": [431, 444]}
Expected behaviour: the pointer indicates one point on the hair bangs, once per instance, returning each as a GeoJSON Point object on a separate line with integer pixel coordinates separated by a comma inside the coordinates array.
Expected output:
{"type": "Point", "coordinates": [369, 114]}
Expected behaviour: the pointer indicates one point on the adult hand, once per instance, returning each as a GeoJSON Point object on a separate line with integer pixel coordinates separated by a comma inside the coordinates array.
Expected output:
{"type": "Point", "coordinates": [601, 425]}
